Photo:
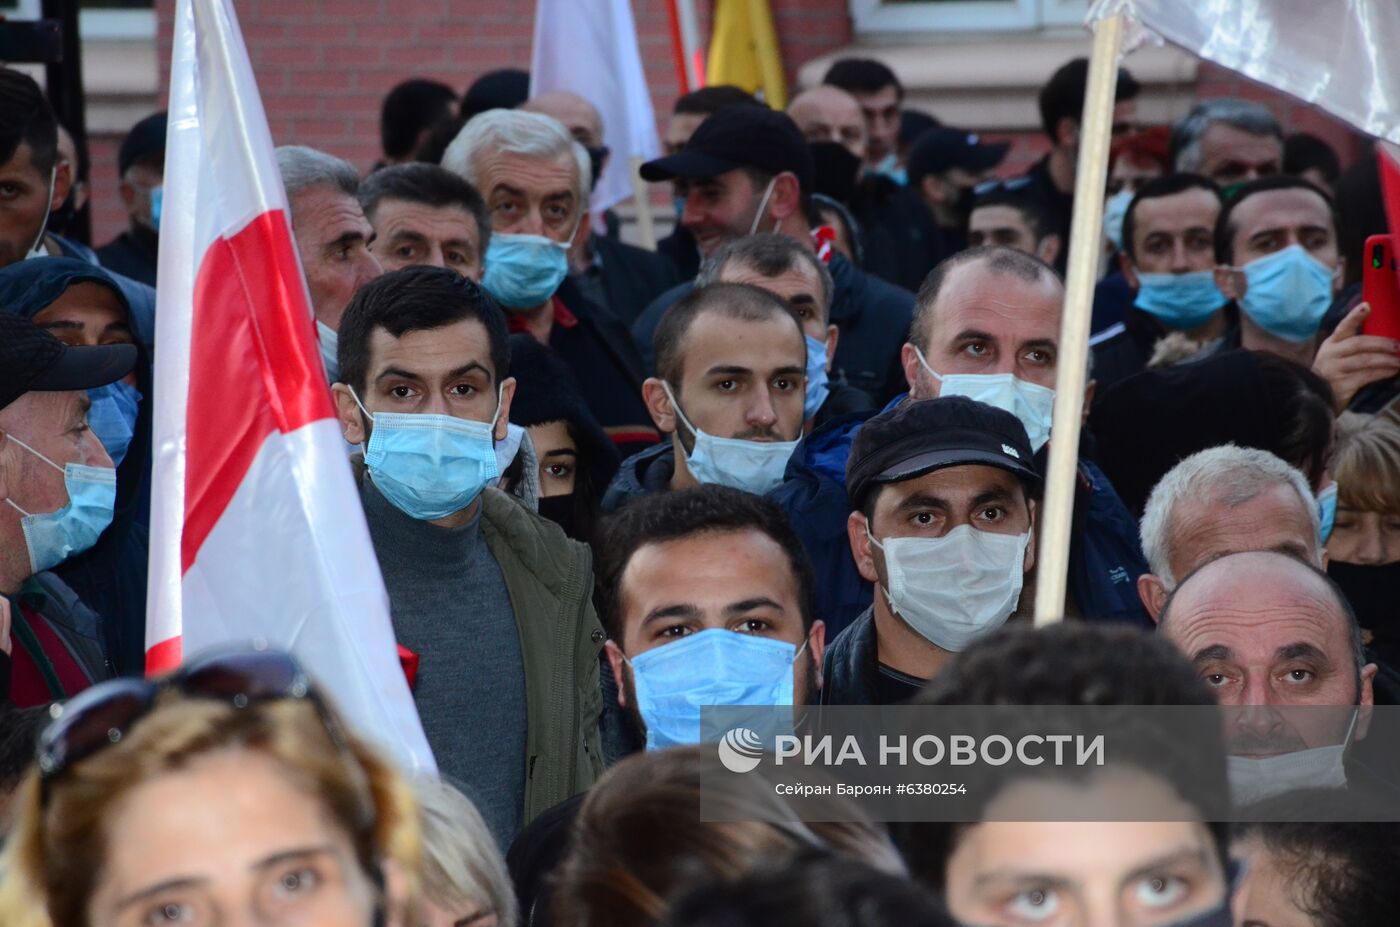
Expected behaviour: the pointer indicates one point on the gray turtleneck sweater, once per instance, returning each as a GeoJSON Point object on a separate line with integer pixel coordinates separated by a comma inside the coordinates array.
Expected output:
{"type": "Point", "coordinates": [451, 607]}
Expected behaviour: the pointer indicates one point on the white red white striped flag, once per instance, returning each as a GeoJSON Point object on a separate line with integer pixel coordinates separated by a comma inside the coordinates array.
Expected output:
{"type": "Point", "coordinates": [256, 527]}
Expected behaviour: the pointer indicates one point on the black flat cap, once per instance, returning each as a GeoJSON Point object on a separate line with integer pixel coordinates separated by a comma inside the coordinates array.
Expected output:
{"type": "Point", "coordinates": [735, 137]}
{"type": "Point", "coordinates": [32, 360]}
{"type": "Point", "coordinates": [147, 137]}
{"type": "Point", "coordinates": [920, 436]}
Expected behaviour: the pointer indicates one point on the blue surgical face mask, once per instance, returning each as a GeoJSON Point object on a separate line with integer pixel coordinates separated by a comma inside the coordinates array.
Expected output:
{"type": "Point", "coordinates": [1180, 301]}
{"type": "Point", "coordinates": [1115, 209]}
{"type": "Point", "coordinates": [753, 466]}
{"type": "Point", "coordinates": [1327, 511]}
{"type": "Point", "coordinates": [112, 417]}
{"type": "Point", "coordinates": [430, 466]}
{"type": "Point", "coordinates": [523, 271]}
{"type": "Point", "coordinates": [817, 389]}
{"type": "Point", "coordinates": [157, 200]}
{"type": "Point", "coordinates": [53, 537]}
{"type": "Point", "coordinates": [889, 167]}
{"type": "Point", "coordinates": [1288, 293]}
{"type": "Point", "coordinates": [712, 667]}
{"type": "Point", "coordinates": [1033, 405]}
{"type": "Point", "coordinates": [330, 344]}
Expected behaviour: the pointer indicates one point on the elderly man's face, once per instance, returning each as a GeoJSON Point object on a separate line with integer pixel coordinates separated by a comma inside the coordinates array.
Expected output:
{"type": "Point", "coordinates": [333, 239]}
{"type": "Point", "coordinates": [530, 195]}
{"type": "Point", "coordinates": [1230, 155]}
{"type": "Point", "coordinates": [988, 323]}
{"type": "Point", "coordinates": [408, 234]}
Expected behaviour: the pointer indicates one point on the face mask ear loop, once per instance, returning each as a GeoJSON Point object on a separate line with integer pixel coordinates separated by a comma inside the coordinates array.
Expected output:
{"type": "Point", "coordinates": [762, 205]}
{"type": "Point", "coordinates": [676, 406]}
{"type": "Point", "coordinates": [48, 198]}
{"type": "Point", "coordinates": [500, 396]}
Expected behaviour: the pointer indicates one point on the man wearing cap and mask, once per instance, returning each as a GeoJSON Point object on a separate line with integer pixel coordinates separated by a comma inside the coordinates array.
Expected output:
{"type": "Point", "coordinates": [141, 166]}
{"type": "Point", "coordinates": [731, 363]}
{"type": "Point", "coordinates": [57, 488]}
{"type": "Point", "coordinates": [535, 179]}
{"type": "Point", "coordinates": [945, 166]}
{"type": "Point", "coordinates": [944, 526]}
{"type": "Point", "coordinates": [745, 170]}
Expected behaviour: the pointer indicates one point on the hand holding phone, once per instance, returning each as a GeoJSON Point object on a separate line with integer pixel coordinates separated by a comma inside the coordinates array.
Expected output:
{"type": "Point", "coordinates": [1380, 287]}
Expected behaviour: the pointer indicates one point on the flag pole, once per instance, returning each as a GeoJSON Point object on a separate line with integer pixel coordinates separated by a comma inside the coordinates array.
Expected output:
{"type": "Point", "coordinates": [1090, 175]}
{"type": "Point", "coordinates": [641, 197]}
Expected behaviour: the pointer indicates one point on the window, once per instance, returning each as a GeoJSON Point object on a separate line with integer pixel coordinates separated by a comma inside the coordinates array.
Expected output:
{"type": "Point", "coordinates": [100, 19]}
{"type": "Point", "coordinates": [964, 15]}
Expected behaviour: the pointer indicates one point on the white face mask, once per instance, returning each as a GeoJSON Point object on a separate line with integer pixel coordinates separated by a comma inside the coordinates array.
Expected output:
{"type": "Point", "coordinates": [753, 466]}
{"type": "Point", "coordinates": [954, 589]}
{"type": "Point", "coordinates": [1255, 779]}
{"type": "Point", "coordinates": [1033, 405]}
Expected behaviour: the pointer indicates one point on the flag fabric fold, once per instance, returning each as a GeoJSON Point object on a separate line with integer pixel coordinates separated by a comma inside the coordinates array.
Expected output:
{"type": "Point", "coordinates": [589, 47]}
{"type": "Point", "coordinates": [744, 50]}
{"type": "Point", "coordinates": [256, 529]}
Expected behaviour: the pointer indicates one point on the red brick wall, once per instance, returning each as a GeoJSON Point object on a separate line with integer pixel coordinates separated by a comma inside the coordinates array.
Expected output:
{"type": "Point", "coordinates": [108, 215]}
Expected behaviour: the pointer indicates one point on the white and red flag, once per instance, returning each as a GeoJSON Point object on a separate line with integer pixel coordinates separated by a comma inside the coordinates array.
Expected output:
{"type": "Point", "coordinates": [256, 528]}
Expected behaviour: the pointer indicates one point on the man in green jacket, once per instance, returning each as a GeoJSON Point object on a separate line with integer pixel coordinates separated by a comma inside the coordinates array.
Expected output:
{"type": "Point", "coordinates": [494, 601]}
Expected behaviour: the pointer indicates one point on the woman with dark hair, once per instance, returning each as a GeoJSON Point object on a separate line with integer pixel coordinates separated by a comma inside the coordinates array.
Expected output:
{"type": "Point", "coordinates": [575, 458]}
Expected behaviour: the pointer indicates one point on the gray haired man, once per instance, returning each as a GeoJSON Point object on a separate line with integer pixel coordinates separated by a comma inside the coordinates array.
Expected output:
{"type": "Point", "coordinates": [332, 234]}
{"type": "Point", "coordinates": [1230, 141]}
{"type": "Point", "coordinates": [1221, 501]}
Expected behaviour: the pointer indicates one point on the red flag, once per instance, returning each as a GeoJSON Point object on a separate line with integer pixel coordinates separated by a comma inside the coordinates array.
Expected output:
{"type": "Point", "coordinates": [256, 532]}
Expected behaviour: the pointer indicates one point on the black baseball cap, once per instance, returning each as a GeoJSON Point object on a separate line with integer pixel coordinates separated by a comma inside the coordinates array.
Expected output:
{"type": "Point", "coordinates": [920, 436]}
{"type": "Point", "coordinates": [942, 148]}
{"type": "Point", "coordinates": [735, 137]}
{"type": "Point", "coordinates": [32, 360]}
{"type": "Point", "coordinates": [147, 137]}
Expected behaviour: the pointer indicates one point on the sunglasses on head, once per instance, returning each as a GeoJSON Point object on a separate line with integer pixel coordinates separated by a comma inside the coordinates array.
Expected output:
{"type": "Point", "coordinates": [102, 715]}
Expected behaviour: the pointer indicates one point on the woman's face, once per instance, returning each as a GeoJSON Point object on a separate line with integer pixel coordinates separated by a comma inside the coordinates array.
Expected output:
{"type": "Point", "coordinates": [558, 458]}
{"type": "Point", "coordinates": [227, 840]}
{"type": "Point", "coordinates": [1367, 538]}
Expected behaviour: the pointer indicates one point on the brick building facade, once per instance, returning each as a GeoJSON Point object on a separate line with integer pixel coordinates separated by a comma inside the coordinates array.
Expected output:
{"type": "Point", "coordinates": [324, 65]}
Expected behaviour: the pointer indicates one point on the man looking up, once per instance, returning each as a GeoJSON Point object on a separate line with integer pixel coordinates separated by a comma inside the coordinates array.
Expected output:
{"type": "Point", "coordinates": [491, 597]}
{"type": "Point", "coordinates": [57, 489]}
{"type": "Point", "coordinates": [425, 214]}
{"type": "Point", "coordinates": [731, 362]}
{"type": "Point", "coordinates": [333, 237]}
{"type": "Point", "coordinates": [621, 277]}
{"type": "Point", "coordinates": [1277, 257]}
{"type": "Point", "coordinates": [1061, 109]}
{"type": "Point", "coordinates": [535, 179]}
{"type": "Point", "coordinates": [944, 524]}
{"type": "Point", "coordinates": [748, 170]}
{"type": "Point", "coordinates": [706, 593]}
{"type": "Point", "coordinates": [141, 166]}
{"type": "Point", "coordinates": [1229, 142]}
{"type": "Point", "coordinates": [1222, 501]}
{"type": "Point", "coordinates": [1168, 260]}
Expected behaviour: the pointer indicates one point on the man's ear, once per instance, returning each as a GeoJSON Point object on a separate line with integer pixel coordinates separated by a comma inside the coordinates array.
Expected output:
{"type": "Point", "coordinates": [786, 198]}
{"type": "Point", "coordinates": [1030, 547]}
{"type": "Point", "coordinates": [1231, 283]}
{"type": "Point", "coordinates": [348, 414]}
{"type": "Point", "coordinates": [1340, 275]}
{"type": "Point", "coordinates": [503, 417]}
{"type": "Point", "coordinates": [659, 405]}
{"type": "Point", "coordinates": [1153, 593]}
{"type": "Point", "coordinates": [816, 643]}
{"type": "Point", "coordinates": [128, 194]}
{"type": "Point", "coordinates": [1049, 249]}
{"type": "Point", "coordinates": [1125, 264]}
{"type": "Point", "coordinates": [1067, 132]}
{"type": "Point", "coordinates": [861, 548]}
{"type": "Point", "coordinates": [833, 336]}
{"type": "Point", "coordinates": [618, 665]}
{"type": "Point", "coordinates": [62, 183]}
{"type": "Point", "coordinates": [909, 360]}
{"type": "Point", "coordinates": [931, 189]}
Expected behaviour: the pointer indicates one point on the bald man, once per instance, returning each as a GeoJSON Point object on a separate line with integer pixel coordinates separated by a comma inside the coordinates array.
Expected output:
{"type": "Point", "coordinates": [1264, 628]}
{"type": "Point", "coordinates": [618, 277]}
{"type": "Point", "coordinates": [830, 114]}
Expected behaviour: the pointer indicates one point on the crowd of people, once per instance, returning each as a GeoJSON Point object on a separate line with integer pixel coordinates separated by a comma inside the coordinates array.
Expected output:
{"type": "Point", "coordinates": [795, 455]}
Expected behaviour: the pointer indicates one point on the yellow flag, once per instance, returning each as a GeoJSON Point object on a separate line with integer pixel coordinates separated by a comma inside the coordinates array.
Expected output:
{"type": "Point", "coordinates": [744, 50]}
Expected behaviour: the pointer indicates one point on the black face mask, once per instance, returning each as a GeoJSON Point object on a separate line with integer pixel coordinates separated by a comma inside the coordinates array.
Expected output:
{"type": "Point", "coordinates": [560, 510]}
{"type": "Point", "coordinates": [595, 162]}
{"type": "Point", "coordinates": [963, 206]}
{"type": "Point", "coordinates": [1374, 594]}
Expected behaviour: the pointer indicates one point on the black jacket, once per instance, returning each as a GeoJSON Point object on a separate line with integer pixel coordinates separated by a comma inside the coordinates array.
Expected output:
{"type": "Point", "coordinates": [902, 240]}
{"type": "Point", "coordinates": [631, 277]}
{"type": "Point", "coordinates": [642, 474]}
{"type": "Point", "coordinates": [132, 254]}
{"type": "Point", "coordinates": [852, 664]}
{"type": "Point", "coordinates": [680, 249]}
{"type": "Point", "coordinates": [872, 315]}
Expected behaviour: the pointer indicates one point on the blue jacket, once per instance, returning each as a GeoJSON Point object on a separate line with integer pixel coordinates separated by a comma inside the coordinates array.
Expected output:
{"type": "Point", "coordinates": [872, 315]}
{"type": "Point", "coordinates": [1105, 555]}
{"type": "Point", "coordinates": [642, 474]}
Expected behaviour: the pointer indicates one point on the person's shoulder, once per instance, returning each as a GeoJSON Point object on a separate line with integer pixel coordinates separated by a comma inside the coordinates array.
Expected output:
{"type": "Point", "coordinates": [875, 292]}
{"type": "Point", "coordinates": [538, 543]}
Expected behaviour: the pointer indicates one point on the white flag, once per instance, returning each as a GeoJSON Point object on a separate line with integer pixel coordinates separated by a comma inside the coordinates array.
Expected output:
{"type": "Point", "coordinates": [256, 526]}
{"type": "Point", "coordinates": [589, 47]}
{"type": "Point", "coordinates": [1337, 54]}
